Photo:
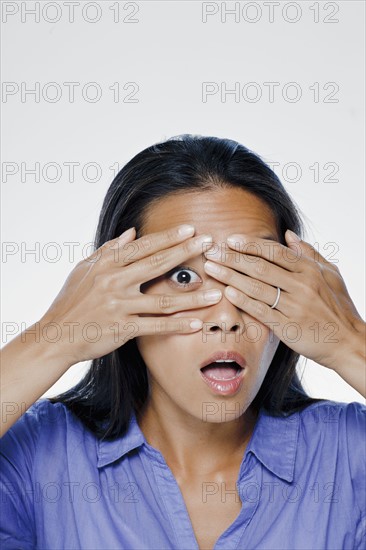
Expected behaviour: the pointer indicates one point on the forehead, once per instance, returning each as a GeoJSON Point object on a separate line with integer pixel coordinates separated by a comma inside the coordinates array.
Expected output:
{"type": "Point", "coordinates": [218, 212]}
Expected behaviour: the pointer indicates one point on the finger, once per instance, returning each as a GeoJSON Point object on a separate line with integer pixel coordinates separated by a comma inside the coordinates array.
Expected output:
{"type": "Point", "coordinates": [307, 250]}
{"type": "Point", "coordinates": [123, 253]}
{"type": "Point", "coordinates": [291, 259]}
{"type": "Point", "coordinates": [252, 287]}
{"type": "Point", "coordinates": [107, 250]}
{"type": "Point", "coordinates": [171, 303]}
{"type": "Point", "coordinates": [164, 260]}
{"type": "Point", "coordinates": [257, 309]}
{"type": "Point", "coordinates": [257, 271]}
{"type": "Point", "coordinates": [166, 325]}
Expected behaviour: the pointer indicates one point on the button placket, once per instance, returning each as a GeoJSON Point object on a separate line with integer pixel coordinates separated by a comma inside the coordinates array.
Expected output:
{"type": "Point", "coordinates": [249, 486]}
{"type": "Point", "coordinates": [174, 504]}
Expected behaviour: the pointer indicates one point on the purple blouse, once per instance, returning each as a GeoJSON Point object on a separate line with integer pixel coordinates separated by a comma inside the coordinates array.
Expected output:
{"type": "Point", "coordinates": [302, 483]}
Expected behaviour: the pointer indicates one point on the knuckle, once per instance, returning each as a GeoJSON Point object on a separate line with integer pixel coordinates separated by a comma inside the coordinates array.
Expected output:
{"type": "Point", "coordinates": [315, 254]}
{"type": "Point", "coordinates": [196, 300]}
{"type": "Point", "coordinates": [187, 247]}
{"type": "Point", "coordinates": [145, 243]}
{"type": "Point", "coordinates": [93, 258]}
{"type": "Point", "coordinates": [157, 260]}
{"type": "Point", "coordinates": [261, 267]}
{"type": "Point", "coordinates": [277, 253]}
{"type": "Point", "coordinates": [292, 256]}
{"type": "Point", "coordinates": [105, 248]}
{"type": "Point", "coordinates": [160, 326]}
{"type": "Point", "coordinates": [164, 302]}
{"type": "Point", "coordinates": [243, 300]}
{"type": "Point", "coordinates": [255, 288]}
{"type": "Point", "coordinates": [181, 325]}
{"type": "Point", "coordinates": [114, 281]}
{"type": "Point", "coordinates": [101, 255]}
{"type": "Point", "coordinates": [171, 235]}
{"type": "Point", "coordinates": [260, 309]}
{"type": "Point", "coordinates": [130, 250]}
{"type": "Point", "coordinates": [111, 305]}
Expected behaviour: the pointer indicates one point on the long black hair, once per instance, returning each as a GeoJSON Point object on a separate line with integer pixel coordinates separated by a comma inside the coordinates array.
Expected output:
{"type": "Point", "coordinates": [117, 384]}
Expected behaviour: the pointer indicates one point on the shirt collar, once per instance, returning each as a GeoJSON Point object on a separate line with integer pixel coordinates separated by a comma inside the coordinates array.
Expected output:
{"type": "Point", "coordinates": [109, 451]}
{"type": "Point", "coordinates": [274, 443]}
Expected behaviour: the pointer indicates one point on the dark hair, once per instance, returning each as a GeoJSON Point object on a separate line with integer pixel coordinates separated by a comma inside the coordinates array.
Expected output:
{"type": "Point", "coordinates": [117, 383]}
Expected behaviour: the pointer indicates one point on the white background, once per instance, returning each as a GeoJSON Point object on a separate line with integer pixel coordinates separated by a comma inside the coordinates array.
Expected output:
{"type": "Point", "coordinates": [169, 52]}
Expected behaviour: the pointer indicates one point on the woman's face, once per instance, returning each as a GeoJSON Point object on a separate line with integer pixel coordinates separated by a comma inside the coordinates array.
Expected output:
{"type": "Point", "coordinates": [173, 361]}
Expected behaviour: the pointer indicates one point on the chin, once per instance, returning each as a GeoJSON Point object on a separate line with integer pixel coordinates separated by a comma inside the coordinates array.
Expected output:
{"type": "Point", "coordinates": [221, 411]}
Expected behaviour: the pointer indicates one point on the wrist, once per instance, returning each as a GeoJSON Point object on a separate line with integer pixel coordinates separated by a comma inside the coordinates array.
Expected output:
{"type": "Point", "coordinates": [53, 345]}
{"type": "Point", "coordinates": [354, 355]}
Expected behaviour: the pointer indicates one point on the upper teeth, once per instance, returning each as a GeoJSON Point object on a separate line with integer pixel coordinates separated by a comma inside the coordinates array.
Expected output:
{"type": "Point", "coordinates": [225, 361]}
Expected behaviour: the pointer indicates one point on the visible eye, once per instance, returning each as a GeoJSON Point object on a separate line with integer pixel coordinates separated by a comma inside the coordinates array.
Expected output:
{"type": "Point", "coordinates": [183, 276]}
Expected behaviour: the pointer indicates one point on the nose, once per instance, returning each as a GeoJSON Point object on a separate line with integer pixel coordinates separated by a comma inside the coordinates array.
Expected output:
{"type": "Point", "coordinates": [223, 316]}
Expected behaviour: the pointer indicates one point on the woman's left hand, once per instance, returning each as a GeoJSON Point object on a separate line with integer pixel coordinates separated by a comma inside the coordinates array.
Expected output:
{"type": "Point", "coordinates": [315, 315]}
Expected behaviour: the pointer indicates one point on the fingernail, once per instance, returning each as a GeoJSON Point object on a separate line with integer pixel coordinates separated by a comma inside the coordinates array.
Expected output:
{"type": "Point", "coordinates": [233, 239]}
{"type": "Point", "coordinates": [293, 235]}
{"type": "Point", "coordinates": [204, 239]}
{"type": "Point", "coordinates": [230, 291]}
{"type": "Point", "coordinates": [185, 230]}
{"type": "Point", "coordinates": [212, 253]}
{"type": "Point", "coordinates": [196, 323]}
{"type": "Point", "coordinates": [127, 233]}
{"type": "Point", "coordinates": [211, 266]}
{"type": "Point", "coordinates": [212, 295]}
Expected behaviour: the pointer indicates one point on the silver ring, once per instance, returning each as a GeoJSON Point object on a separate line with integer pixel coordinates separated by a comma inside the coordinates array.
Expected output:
{"type": "Point", "coordinates": [277, 298]}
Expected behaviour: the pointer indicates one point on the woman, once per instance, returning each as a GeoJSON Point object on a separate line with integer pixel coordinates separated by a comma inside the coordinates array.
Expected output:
{"type": "Point", "coordinates": [188, 436]}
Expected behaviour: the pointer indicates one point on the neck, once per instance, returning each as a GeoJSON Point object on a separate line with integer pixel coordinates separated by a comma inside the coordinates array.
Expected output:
{"type": "Point", "coordinates": [191, 445]}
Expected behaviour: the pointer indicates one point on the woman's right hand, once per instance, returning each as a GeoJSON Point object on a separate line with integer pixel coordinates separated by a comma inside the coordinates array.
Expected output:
{"type": "Point", "coordinates": [97, 309]}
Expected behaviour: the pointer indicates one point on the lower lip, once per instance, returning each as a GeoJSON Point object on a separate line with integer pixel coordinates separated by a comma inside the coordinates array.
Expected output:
{"type": "Point", "coordinates": [224, 387]}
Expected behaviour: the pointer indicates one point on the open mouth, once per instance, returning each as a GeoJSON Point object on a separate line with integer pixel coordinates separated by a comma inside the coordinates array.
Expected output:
{"type": "Point", "coordinates": [222, 370]}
